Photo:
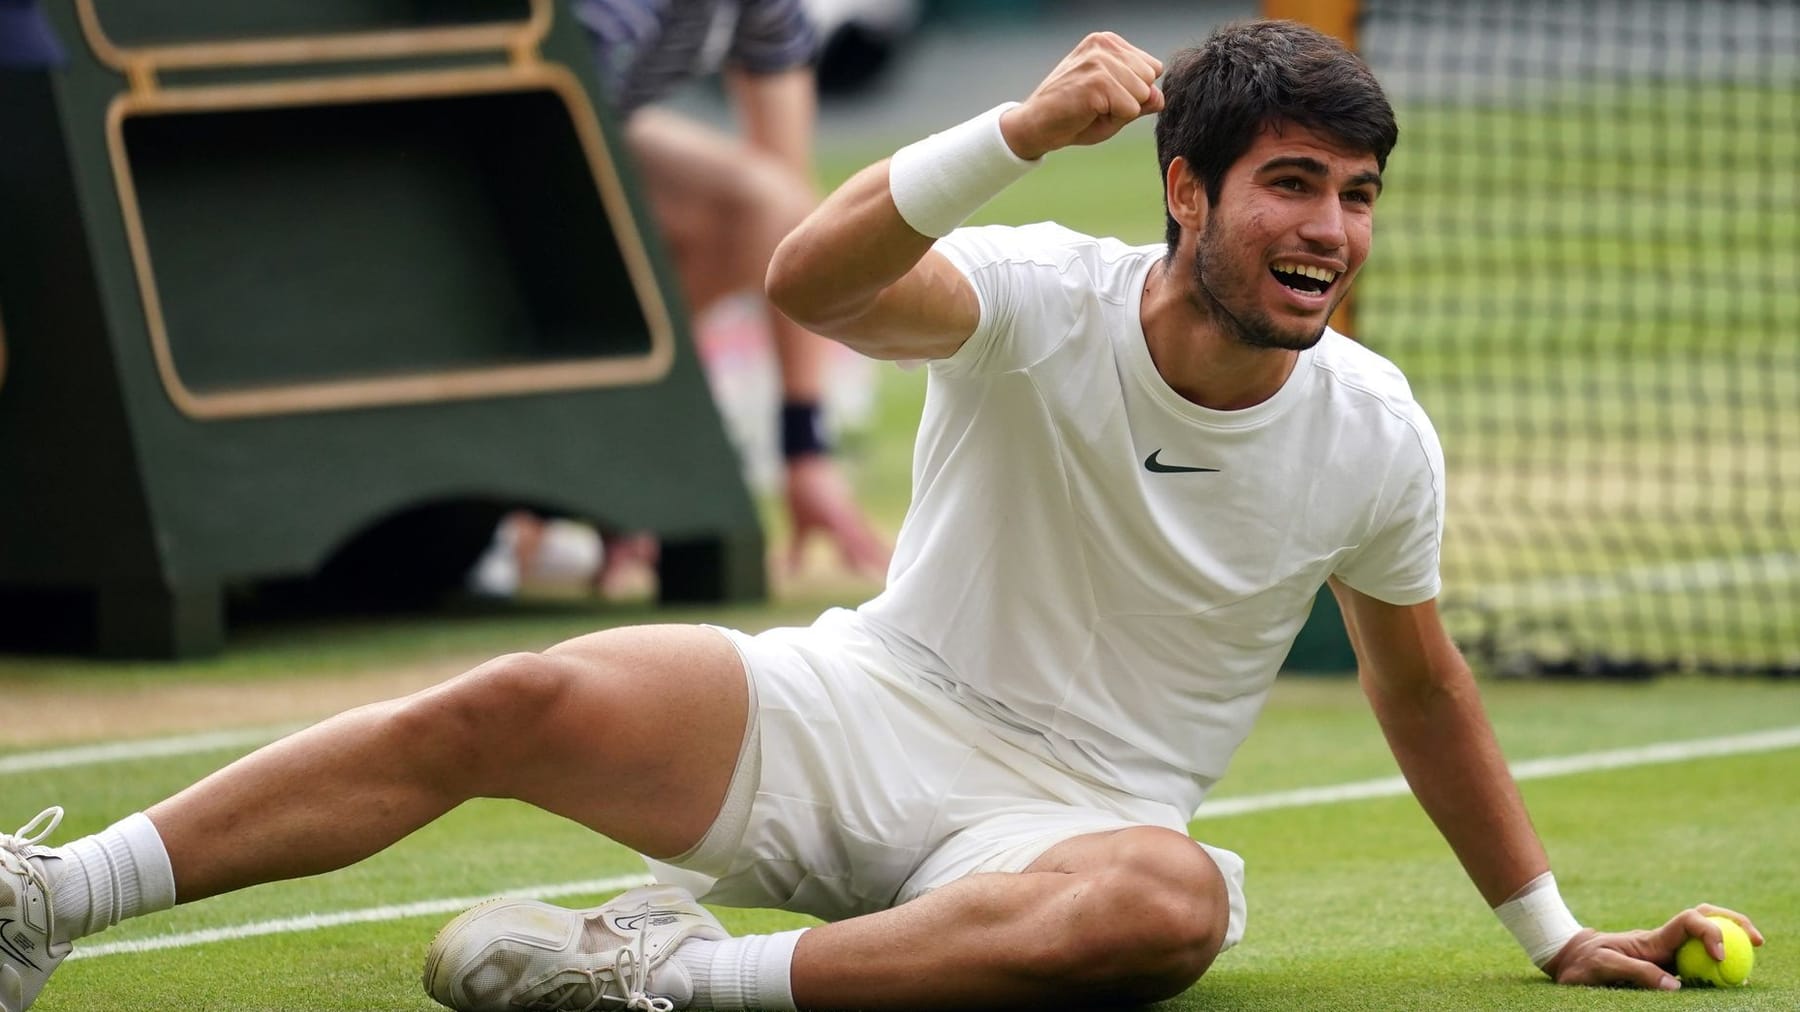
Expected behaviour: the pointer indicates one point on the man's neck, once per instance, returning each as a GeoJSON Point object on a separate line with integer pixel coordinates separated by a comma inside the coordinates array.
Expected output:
{"type": "Point", "coordinates": [1196, 353]}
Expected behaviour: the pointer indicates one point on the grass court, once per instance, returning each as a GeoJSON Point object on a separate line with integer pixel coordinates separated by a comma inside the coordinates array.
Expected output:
{"type": "Point", "coordinates": [1354, 904]}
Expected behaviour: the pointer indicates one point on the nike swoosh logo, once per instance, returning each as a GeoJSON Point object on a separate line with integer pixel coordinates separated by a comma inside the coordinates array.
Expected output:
{"type": "Point", "coordinates": [1155, 466]}
{"type": "Point", "coordinates": [7, 947]}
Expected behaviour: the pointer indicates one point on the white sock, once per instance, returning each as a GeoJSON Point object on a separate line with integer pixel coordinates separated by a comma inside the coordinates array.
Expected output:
{"type": "Point", "coordinates": [98, 881]}
{"type": "Point", "coordinates": [749, 974]}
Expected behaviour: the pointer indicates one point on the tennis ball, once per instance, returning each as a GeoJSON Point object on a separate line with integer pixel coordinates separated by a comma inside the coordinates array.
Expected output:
{"type": "Point", "coordinates": [1695, 966]}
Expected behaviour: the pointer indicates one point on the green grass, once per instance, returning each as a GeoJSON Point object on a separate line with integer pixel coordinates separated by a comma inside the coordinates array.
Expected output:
{"type": "Point", "coordinates": [1355, 905]}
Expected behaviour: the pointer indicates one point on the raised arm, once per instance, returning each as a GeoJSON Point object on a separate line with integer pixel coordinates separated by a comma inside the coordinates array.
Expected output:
{"type": "Point", "coordinates": [1425, 699]}
{"type": "Point", "coordinates": [855, 271]}
{"type": "Point", "coordinates": [860, 268]}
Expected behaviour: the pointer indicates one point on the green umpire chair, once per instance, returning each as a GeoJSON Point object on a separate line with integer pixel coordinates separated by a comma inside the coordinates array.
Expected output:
{"type": "Point", "coordinates": [328, 285]}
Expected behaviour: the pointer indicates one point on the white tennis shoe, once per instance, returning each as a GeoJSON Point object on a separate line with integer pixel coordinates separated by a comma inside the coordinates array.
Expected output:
{"type": "Point", "coordinates": [26, 953]}
{"type": "Point", "coordinates": [506, 955]}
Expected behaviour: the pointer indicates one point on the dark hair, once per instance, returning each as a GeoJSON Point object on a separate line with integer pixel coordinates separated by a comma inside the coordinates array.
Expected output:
{"type": "Point", "coordinates": [1255, 74]}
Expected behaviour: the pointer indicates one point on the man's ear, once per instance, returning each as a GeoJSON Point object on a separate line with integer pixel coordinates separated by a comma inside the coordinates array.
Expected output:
{"type": "Point", "coordinates": [1186, 196]}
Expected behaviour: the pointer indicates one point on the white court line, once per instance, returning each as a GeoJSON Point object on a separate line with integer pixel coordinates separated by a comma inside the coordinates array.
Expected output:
{"type": "Point", "coordinates": [126, 751]}
{"type": "Point", "coordinates": [1771, 740]}
{"type": "Point", "coordinates": [367, 915]}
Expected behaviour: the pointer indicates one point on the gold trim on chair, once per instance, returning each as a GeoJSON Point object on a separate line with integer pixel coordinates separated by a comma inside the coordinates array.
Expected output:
{"type": "Point", "coordinates": [504, 36]}
{"type": "Point", "coordinates": [417, 388]}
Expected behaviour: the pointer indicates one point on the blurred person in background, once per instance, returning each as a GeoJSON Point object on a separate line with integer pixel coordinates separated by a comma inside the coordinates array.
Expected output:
{"type": "Point", "coordinates": [722, 202]}
{"type": "Point", "coordinates": [25, 37]}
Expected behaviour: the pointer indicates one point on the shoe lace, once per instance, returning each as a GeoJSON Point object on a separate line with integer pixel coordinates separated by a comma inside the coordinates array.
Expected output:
{"type": "Point", "coordinates": [30, 834]}
{"type": "Point", "coordinates": [17, 848]}
{"type": "Point", "coordinates": [630, 970]}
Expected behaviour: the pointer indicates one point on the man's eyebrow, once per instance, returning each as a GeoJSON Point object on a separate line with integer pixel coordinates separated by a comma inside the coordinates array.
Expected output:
{"type": "Point", "coordinates": [1314, 167]}
{"type": "Point", "coordinates": [1308, 165]}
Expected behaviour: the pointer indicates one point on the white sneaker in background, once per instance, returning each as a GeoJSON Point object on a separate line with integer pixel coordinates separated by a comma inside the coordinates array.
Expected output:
{"type": "Point", "coordinates": [496, 573]}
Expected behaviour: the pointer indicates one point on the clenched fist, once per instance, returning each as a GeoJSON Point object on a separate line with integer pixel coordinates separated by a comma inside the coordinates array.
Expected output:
{"type": "Point", "coordinates": [1103, 84]}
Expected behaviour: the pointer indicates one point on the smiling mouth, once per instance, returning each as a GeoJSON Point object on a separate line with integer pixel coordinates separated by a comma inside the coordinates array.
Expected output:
{"type": "Point", "coordinates": [1303, 278]}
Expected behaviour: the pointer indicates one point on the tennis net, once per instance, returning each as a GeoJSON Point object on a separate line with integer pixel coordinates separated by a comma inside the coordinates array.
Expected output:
{"type": "Point", "coordinates": [1588, 263]}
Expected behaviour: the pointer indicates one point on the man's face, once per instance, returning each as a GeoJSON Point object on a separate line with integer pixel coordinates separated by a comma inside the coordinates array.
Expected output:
{"type": "Point", "coordinates": [1288, 234]}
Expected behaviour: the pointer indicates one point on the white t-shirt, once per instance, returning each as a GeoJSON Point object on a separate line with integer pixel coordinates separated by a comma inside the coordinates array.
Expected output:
{"type": "Point", "coordinates": [1109, 573]}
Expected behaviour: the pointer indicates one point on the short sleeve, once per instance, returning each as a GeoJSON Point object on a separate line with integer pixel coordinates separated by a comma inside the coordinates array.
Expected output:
{"type": "Point", "coordinates": [1024, 278]}
{"type": "Point", "coordinates": [1399, 563]}
{"type": "Point", "coordinates": [772, 36]}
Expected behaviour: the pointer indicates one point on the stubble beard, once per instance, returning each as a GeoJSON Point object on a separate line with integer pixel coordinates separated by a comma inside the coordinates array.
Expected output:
{"type": "Point", "coordinates": [1249, 327]}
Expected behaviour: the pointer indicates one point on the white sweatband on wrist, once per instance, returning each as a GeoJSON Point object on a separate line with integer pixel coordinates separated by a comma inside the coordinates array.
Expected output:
{"type": "Point", "coordinates": [1537, 916]}
{"type": "Point", "coordinates": [937, 183]}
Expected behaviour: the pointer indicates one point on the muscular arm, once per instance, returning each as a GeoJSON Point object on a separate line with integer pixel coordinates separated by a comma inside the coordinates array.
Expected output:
{"type": "Point", "coordinates": [1425, 699]}
{"type": "Point", "coordinates": [856, 271]}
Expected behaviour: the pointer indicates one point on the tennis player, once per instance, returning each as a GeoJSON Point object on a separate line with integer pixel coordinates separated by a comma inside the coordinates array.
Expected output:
{"type": "Point", "coordinates": [1135, 468]}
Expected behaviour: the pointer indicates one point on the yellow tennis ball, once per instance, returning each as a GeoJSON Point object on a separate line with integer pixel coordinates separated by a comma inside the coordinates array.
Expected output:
{"type": "Point", "coordinates": [1696, 966]}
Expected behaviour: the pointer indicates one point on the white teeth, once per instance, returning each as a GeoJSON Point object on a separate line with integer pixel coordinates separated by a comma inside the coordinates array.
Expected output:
{"type": "Point", "coordinates": [1317, 273]}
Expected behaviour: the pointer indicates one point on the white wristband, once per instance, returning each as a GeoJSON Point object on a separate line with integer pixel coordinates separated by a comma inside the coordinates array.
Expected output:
{"type": "Point", "coordinates": [937, 183]}
{"type": "Point", "coordinates": [1537, 916]}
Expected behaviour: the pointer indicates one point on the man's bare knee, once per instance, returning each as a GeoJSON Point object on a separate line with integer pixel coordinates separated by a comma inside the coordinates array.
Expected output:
{"type": "Point", "coordinates": [735, 217]}
{"type": "Point", "coordinates": [783, 200]}
{"type": "Point", "coordinates": [1145, 925]}
{"type": "Point", "coordinates": [476, 724]}
{"type": "Point", "coordinates": [759, 205]}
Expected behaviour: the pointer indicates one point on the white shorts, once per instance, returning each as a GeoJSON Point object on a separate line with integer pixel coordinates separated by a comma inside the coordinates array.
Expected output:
{"type": "Point", "coordinates": [858, 789]}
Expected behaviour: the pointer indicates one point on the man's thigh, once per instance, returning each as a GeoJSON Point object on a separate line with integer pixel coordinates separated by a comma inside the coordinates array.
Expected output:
{"type": "Point", "coordinates": [643, 735]}
{"type": "Point", "coordinates": [1052, 821]}
{"type": "Point", "coordinates": [695, 174]}
{"type": "Point", "coordinates": [721, 204]}
{"type": "Point", "coordinates": [871, 793]}
{"type": "Point", "coordinates": [850, 779]}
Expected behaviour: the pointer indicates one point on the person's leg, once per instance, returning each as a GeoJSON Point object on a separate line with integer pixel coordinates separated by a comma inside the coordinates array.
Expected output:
{"type": "Point", "coordinates": [1016, 884]}
{"type": "Point", "coordinates": [1123, 917]}
{"type": "Point", "coordinates": [634, 733]}
{"type": "Point", "coordinates": [723, 208]}
{"type": "Point", "coordinates": [1131, 916]}
{"type": "Point", "coordinates": [957, 870]}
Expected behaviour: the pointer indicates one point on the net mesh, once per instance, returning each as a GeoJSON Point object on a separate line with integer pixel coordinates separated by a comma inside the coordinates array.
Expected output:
{"type": "Point", "coordinates": [1587, 261]}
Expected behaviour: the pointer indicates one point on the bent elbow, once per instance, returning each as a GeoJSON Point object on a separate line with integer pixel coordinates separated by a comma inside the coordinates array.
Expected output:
{"type": "Point", "coordinates": [799, 290]}
{"type": "Point", "coordinates": [784, 283]}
